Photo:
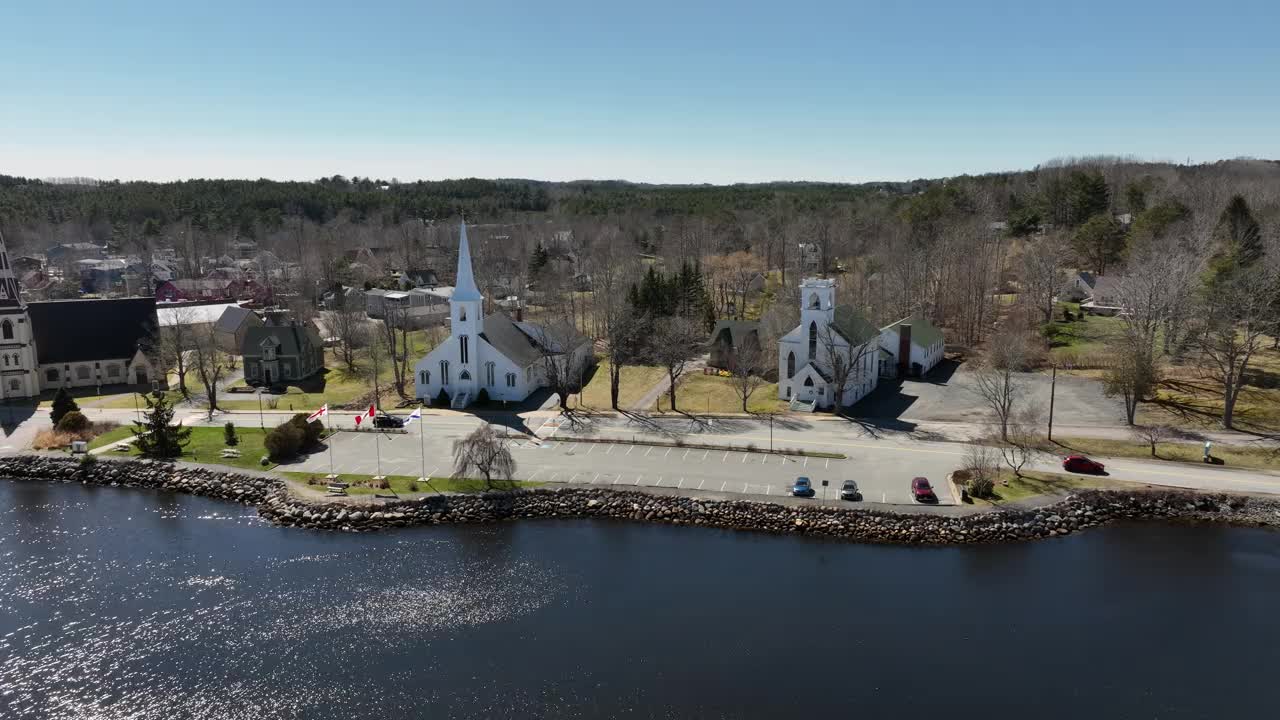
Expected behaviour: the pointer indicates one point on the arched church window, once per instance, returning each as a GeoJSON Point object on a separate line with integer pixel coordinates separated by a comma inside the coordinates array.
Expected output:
{"type": "Point", "coordinates": [462, 314]}
{"type": "Point", "coordinates": [791, 365]}
{"type": "Point", "coordinates": [462, 349]}
{"type": "Point", "coordinates": [7, 329]}
{"type": "Point", "coordinates": [6, 361]}
{"type": "Point", "coordinates": [424, 377]}
{"type": "Point", "coordinates": [444, 372]}
{"type": "Point", "coordinates": [464, 376]}
{"type": "Point", "coordinates": [813, 302]}
{"type": "Point", "coordinates": [813, 340]}
{"type": "Point", "coordinates": [488, 374]}
{"type": "Point", "coordinates": [808, 382]}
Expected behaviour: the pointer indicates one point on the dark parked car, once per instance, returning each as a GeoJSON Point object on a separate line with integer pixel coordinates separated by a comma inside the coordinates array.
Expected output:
{"type": "Point", "coordinates": [802, 487]}
{"type": "Point", "coordinates": [922, 491]}
{"type": "Point", "coordinates": [1082, 464]}
{"type": "Point", "coordinates": [388, 422]}
{"type": "Point", "coordinates": [849, 491]}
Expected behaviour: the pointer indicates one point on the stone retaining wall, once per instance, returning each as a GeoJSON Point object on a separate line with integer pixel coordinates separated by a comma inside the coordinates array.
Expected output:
{"type": "Point", "coordinates": [273, 501]}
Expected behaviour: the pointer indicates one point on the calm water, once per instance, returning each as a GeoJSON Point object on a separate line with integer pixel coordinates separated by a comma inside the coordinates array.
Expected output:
{"type": "Point", "coordinates": [126, 604]}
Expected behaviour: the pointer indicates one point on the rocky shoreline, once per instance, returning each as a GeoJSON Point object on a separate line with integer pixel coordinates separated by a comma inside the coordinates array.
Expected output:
{"type": "Point", "coordinates": [274, 501]}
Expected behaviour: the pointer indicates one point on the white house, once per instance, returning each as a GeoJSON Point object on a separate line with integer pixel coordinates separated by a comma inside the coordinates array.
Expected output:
{"type": "Point", "coordinates": [506, 359]}
{"type": "Point", "coordinates": [829, 342]}
{"type": "Point", "coordinates": [912, 346]}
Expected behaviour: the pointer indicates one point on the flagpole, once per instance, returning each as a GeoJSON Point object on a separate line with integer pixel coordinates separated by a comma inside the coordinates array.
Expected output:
{"type": "Point", "coordinates": [332, 474]}
{"type": "Point", "coordinates": [422, 446]}
{"type": "Point", "coordinates": [377, 437]}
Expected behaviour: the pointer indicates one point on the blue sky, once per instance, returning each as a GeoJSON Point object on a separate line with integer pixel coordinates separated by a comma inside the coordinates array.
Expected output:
{"type": "Point", "coordinates": [656, 91]}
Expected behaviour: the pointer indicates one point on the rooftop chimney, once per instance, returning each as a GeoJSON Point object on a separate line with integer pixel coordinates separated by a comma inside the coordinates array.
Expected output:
{"type": "Point", "coordinates": [904, 349]}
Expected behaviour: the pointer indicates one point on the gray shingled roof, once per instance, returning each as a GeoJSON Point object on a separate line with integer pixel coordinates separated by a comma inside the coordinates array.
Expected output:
{"type": "Point", "coordinates": [69, 331]}
{"type": "Point", "coordinates": [509, 340]}
{"type": "Point", "coordinates": [289, 336]}
{"type": "Point", "coordinates": [738, 330]}
{"type": "Point", "coordinates": [232, 318]}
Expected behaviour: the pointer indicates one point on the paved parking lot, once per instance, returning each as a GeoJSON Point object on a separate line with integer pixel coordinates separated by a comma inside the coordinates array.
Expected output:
{"type": "Point", "coordinates": [608, 464]}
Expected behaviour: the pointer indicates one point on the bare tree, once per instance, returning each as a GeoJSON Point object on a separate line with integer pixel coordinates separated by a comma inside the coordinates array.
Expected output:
{"type": "Point", "coordinates": [562, 366]}
{"type": "Point", "coordinates": [346, 324]}
{"type": "Point", "coordinates": [982, 462]}
{"type": "Point", "coordinates": [1153, 435]}
{"type": "Point", "coordinates": [1044, 272]}
{"type": "Point", "coordinates": [483, 451]}
{"type": "Point", "coordinates": [1022, 442]}
{"type": "Point", "coordinates": [624, 344]}
{"type": "Point", "coordinates": [675, 343]}
{"type": "Point", "coordinates": [997, 380]}
{"type": "Point", "coordinates": [748, 361]}
{"type": "Point", "coordinates": [176, 341]}
{"type": "Point", "coordinates": [209, 362]}
{"type": "Point", "coordinates": [846, 359]}
{"type": "Point", "coordinates": [395, 346]}
{"type": "Point", "coordinates": [1236, 316]}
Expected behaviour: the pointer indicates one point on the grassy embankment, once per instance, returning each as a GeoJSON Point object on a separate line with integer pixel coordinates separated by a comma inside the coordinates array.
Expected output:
{"type": "Point", "coordinates": [1011, 488]}
{"type": "Point", "coordinates": [1258, 458]}
{"type": "Point", "coordinates": [206, 446]}
{"type": "Point", "coordinates": [698, 393]}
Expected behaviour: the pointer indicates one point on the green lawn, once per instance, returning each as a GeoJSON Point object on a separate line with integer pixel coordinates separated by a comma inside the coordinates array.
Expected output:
{"type": "Point", "coordinates": [207, 444]}
{"type": "Point", "coordinates": [1192, 452]}
{"type": "Point", "coordinates": [1081, 341]}
{"type": "Point", "coordinates": [698, 393]}
{"type": "Point", "coordinates": [635, 382]}
{"type": "Point", "coordinates": [1033, 484]}
{"type": "Point", "coordinates": [404, 484]}
{"type": "Point", "coordinates": [123, 432]}
{"type": "Point", "coordinates": [338, 386]}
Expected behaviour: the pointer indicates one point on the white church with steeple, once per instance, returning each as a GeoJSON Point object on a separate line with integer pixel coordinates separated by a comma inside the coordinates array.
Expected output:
{"type": "Point", "coordinates": [506, 359]}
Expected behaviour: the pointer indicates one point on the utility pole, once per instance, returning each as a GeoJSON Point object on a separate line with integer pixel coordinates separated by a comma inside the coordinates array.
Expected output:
{"type": "Point", "coordinates": [1053, 391]}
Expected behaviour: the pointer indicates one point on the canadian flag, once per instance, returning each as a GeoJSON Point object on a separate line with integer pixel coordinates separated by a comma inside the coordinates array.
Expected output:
{"type": "Point", "coordinates": [322, 412]}
{"type": "Point", "coordinates": [370, 413]}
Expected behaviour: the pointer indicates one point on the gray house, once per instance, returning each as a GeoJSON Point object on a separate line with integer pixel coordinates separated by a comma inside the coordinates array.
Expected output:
{"type": "Point", "coordinates": [281, 353]}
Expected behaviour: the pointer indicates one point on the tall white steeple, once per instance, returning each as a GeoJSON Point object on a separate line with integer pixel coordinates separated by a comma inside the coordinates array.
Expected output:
{"type": "Point", "coordinates": [464, 288]}
{"type": "Point", "coordinates": [466, 322]}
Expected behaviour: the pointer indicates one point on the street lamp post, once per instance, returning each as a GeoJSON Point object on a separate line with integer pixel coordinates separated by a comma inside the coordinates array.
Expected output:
{"type": "Point", "coordinates": [262, 423]}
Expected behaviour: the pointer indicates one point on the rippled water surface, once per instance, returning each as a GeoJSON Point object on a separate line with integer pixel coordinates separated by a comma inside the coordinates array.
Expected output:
{"type": "Point", "coordinates": [127, 604]}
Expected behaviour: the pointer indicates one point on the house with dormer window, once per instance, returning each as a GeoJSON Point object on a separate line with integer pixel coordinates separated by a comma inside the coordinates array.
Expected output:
{"type": "Point", "coordinates": [284, 351]}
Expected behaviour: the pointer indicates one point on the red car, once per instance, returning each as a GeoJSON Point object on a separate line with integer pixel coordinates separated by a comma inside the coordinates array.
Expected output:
{"type": "Point", "coordinates": [922, 491]}
{"type": "Point", "coordinates": [1082, 464]}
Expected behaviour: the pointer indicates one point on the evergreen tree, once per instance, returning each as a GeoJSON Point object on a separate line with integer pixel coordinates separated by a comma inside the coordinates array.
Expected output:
{"type": "Point", "coordinates": [1087, 196]}
{"type": "Point", "coordinates": [156, 436]}
{"type": "Point", "coordinates": [539, 259]}
{"type": "Point", "coordinates": [1241, 234]}
{"type": "Point", "coordinates": [63, 403]}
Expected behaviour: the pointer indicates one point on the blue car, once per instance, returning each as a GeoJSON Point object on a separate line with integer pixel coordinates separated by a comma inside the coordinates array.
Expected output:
{"type": "Point", "coordinates": [802, 487]}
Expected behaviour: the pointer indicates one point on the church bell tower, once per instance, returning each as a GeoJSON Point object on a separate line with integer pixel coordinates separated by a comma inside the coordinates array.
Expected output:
{"type": "Point", "coordinates": [18, 366]}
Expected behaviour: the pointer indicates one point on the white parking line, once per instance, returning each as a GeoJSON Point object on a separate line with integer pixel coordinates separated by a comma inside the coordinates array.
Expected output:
{"type": "Point", "coordinates": [616, 480]}
{"type": "Point", "coordinates": [633, 447]}
{"type": "Point", "coordinates": [639, 478]}
{"type": "Point", "coordinates": [768, 489]}
{"type": "Point", "coordinates": [681, 483]}
{"type": "Point", "coordinates": [685, 455]}
{"type": "Point", "coordinates": [574, 478]}
{"type": "Point", "coordinates": [668, 452]}
{"type": "Point", "coordinates": [726, 456]}
{"type": "Point", "coordinates": [646, 452]}
{"type": "Point", "coordinates": [726, 482]}
{"type": "Point", "coordinates": [609, 451]}
{"type": "Point", "coordinates": [553, 477]}
{"type": "Point", "coordinates": [744, 457]}
{"type": "Point", "coordinates": [535, 474]}
{"type": "Point", "coordinates": [764, 459]}
{"type": "Point", "coordinates": [433, 472]}
{"type": "Point", "coordinates": [700, 483]}
{"type": "Point", "coordinates": [806, 462]}
{"type": "Point", "coordinates": [659, 481]}
{"type": "Point", "coordinates": [591, 449]}
{"type": "Point", "coordinates": [884, 497]}
{"type": "Point", "coordinates": [704, 454]}
{"type": "Point", "coordinates": [827, 465]}
{"type": "Point", "coordinates": [594, 479]}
